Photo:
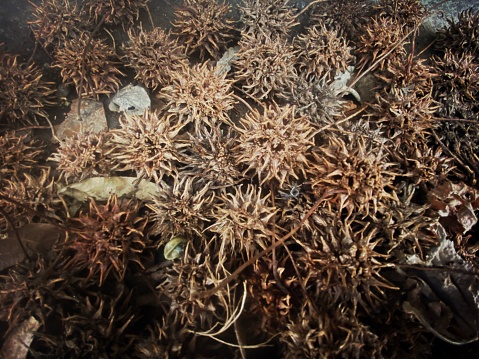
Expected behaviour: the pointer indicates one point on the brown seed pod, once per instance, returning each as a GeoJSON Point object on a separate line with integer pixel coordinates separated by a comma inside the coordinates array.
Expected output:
{"type": "Point", "coordinates": [378, 38]}
{"type": "Point", "coordinates": [36, 192]}
{"type": "Point", "coordinates": [462, 35]}
{"type": "Point", "coordinates": [405, 12]}
{"type": "Point", "coordinates": [265, 66]}
{"type": "Point", "coordinates": [83, 156]}
{"type": "Point", "coordinates": [348, 15]}
{"type": "Point", "coordinates": [211, 157]}
{"type": "Point", "coordinates": [57, 22]}
{"type": "Point", "coordinates": [405, 76]}
{"type": "Point", "coordinates": [203, 26]}
{"type": "Point", "coordinates": [23, 93]}
{"type": "Point", "coordinates": [269, 17]}
{"type": "Point", "coordinates": [147, 145]}
{"type": "Point", "coordinates": [457, 84]}
{"type": "Point", "coordinates": [315, 99]}
{"type": "Point", "coordinates": [94, 60]}
{"type": "Point", "coordinates": [18, 155]}
{"type": "Point", "coordinates": [333, 333]}
{"type": "Point", "coordinates": [124, 12]}
{"type": "Point", "coordinates": [181, 208]}
{"type": "Point", "coordinates": [322, 52]}
{"type": "Point", "coordinates": [274, 144]}
{"type": "Point", "coordinates": [357, 171]}
{"type": "Point", "coordinates": [107, 238]}
{"type": "Point", "coordinates": [199, 95]}
{"type": "Point", "coordinates": [155, 56]}
{"type": "Point", "coordinates": [241, 220]}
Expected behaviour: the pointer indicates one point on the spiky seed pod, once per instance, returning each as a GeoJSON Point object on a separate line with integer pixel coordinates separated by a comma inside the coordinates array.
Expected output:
{"type": "Point", "coordinates": [28, 289]}
{"type": "Point", "coordinates": [83, 156]}
{"type": "Point", "coordinates": [344, 263]}
{"type": "Point", "coordinates": [57, 22]}
{"type": "Point", "coordinates": [406, 12]}
{"type": "Point", "coordinates": [379, 37]}
{"type": "Point", "coordinates": [348, 15]}
{"type": "Point", "coordinates": [242, 219]}
{"type": "Point", "coordinates": [405, 76]}
{"type": "Point", "coordinates": [23, 93]}
{"type": "Point", "coordinates": [357, 171]}
{"type": "Point", "coordinates": [264, 65]}
{"type": "Point", "coordinates": [182, 208]}
{"type": "Point", "coordinates": [199, 95]}
{"type": "Point", "coordinates": [457, 84]}
{"type": "Point", "coordinates": [35, 192]}
{"type": "Point", "coordinates": [212, 157]}
{"type": "Point", "coordinates": [155, 56]}
{"type": "Point", "coordinates": [407, 121]}
{"type": "Point", "coordinates": [270, 17]}
{"type": "Point", "coordinates": [274, 144]}
{"type": "Point", "coordinates": [100, 71]}
{"type": "Point", "coordinates": [322, 52]}
{"type": "Point", "coordinates": [116, 12]}
{"type": "Point", "coordinates": [148, 145]}
{"type": "Point", "coordinates": [315, 99]}
{"type": "Point", "coordinates": [18, 154]}
{"type": "Point", "coordinates": [461, 36]}
{"type": "Point", "coordinates": [107, 238]}
{"type": "Point", "coordinates": [406, 118]}
{"type": "Point", "coordinates": [334, 333]}
{"type": "Point", "coordinates": [204, 26]}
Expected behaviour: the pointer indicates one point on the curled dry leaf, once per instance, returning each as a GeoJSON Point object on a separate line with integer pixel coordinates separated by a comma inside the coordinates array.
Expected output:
{"type": "Point", "coordinates": [100, 188]}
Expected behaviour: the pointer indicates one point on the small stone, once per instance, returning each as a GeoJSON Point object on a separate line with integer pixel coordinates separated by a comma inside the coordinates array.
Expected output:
{"type": "Point", "coordinates": [132, 100]}
{"type": "Point", "coordinates": [92, 119]}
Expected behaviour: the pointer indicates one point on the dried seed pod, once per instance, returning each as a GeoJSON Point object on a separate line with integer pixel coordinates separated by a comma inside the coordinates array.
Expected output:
{"type": "Point", "coordinates": [57, 22]}
{"type": "Point", "coordinates": [457, 84]}
{"type": "Point", "coordinates": [182, 207]}
{"type": "Point", "coordinates": [461, 36]}
{"type": "Point", "coordinates": [379, 37]}
{"type": "Point", "coordinates": [241, 219]}
{"type": "Point", "coordinates": [36, 192]}
{"type": "Point", "coordinates": [274, 144]}
{"type": "Point", "coordinates": [23, 93]}
{"type": "Point", "coordinates": [83, 156]}
{"type": "Point", "coordinates": [348, 15]}
{"type": "Point", "coordinates": [269, 17]}
{"type": "Point", "coordinates": [199, 95]}
{"type": "Point", "coordinates": [18, 155]}
{"type": "Point", "coordinates": [358, 172]}
{"type": "Point", "coordinates": [94, 60]}
{"type": "Point", "coordinates": [147, 145]}
{"type": "Point", "coordinates": [315, 99]}
{"type": "Point", "coordinates": [204, 26]}
{"type": "Point", "coordinates": [322, 53]}
{"type": "Point", "coordinates": [265, 66]}
{"type": "Point", "coordinates": [108, 238]}
{"type": "Point", "coordinates": [155, 56]}
{"type": "Point", "coordinates": [116, 12]}
{"type": "Point", "coordinates": [211, 157]}
{"type": "Point", "coordinates": [406, 76]}
{"type": "Point", "coordinates": [405, 12]}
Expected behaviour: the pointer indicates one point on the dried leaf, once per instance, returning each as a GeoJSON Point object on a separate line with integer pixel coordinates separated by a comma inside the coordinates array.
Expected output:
{"type": "Point", "coordinates": [444, 294]}
{"type": "Point", "coordinates": [100, 188]}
